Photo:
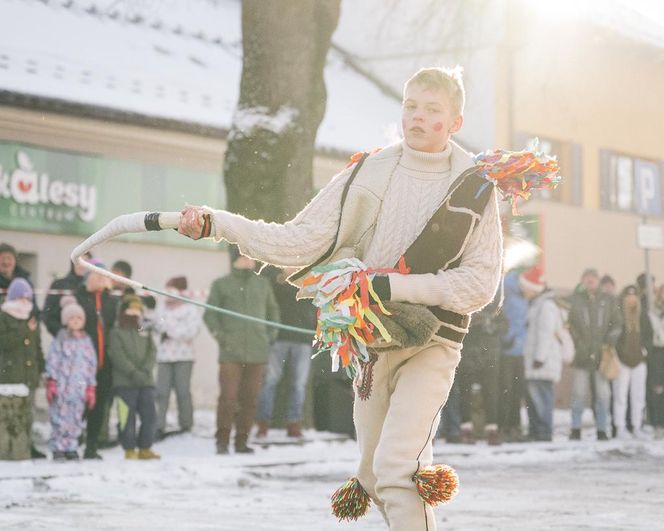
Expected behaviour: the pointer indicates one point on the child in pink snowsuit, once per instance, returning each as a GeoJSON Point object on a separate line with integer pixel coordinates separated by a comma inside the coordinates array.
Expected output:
{"type": "Point", "coordinates": [71, 366]}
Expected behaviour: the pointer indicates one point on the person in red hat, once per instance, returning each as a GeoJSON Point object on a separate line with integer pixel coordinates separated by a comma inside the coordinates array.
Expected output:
{"type": "Point", "coordinates": [532, 282]}
{"type": "Point", "coordinates": [542, 353]}
{"type": "Point", "coordinates": [100, 313]}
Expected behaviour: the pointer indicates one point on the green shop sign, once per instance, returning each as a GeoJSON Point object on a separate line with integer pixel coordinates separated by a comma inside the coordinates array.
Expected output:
{"type": "Point", "coordinates": [59, 192]}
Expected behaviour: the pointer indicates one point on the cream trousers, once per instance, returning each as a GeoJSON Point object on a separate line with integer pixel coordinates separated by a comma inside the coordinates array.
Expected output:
{"type": "Point", "coordinates": [398, 400]}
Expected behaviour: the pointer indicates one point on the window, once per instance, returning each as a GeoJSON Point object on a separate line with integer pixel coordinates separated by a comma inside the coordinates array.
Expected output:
{"type": "Point", "coordinates": [630, 184]}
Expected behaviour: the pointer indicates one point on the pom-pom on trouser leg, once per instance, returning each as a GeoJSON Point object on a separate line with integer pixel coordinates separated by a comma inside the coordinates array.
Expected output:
{"type": "Point", "coordinates": [395, 428]}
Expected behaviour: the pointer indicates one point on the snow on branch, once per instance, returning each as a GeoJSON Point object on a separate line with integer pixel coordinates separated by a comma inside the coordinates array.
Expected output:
{"type": "Point", "coordinates": [247, 120]}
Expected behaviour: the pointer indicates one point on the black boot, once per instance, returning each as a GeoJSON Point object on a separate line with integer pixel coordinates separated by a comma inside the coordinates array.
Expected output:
{"type": "Point", "coordinates": [222, 449]}
{"type": "Point", "coordinates": [575, 435]}
{"type": "Point", "coordinates": [59, 456]}
{"type": "Point", "coordinates": [241, 444]}
{"type": "Point", "coordinates": [91, 453]}
{"type": "Point", "coordinates": [244, 449]}
{"type": "Point", "coordinates": [72, 455]}
{"type": "Point", "coordinates": [36, 454]}
{"type": "Point", "coordinates": [602, 436]}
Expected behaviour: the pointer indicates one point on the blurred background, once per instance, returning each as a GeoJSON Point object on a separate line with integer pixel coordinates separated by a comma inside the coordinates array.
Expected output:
{"type": "Point", "coordinates": [115, 106]}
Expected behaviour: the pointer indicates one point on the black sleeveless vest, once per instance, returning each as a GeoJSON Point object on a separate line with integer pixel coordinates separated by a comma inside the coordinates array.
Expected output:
{"type": "Point", "coordinates": [441, 243]}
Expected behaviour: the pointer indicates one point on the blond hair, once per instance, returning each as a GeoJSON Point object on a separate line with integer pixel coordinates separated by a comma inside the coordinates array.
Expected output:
{"type": "Point", "coordinates": [449, 80]}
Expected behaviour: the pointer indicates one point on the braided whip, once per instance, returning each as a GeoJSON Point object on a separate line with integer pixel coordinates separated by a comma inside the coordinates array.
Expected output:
{"type": "Point", "coordinates": [154, 221]}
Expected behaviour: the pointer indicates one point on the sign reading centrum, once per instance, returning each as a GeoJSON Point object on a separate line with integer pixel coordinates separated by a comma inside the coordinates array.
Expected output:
{"type": "Point", "coordinates": [44, 190]}
{"type": "Point", "coordinates": [26, 189]}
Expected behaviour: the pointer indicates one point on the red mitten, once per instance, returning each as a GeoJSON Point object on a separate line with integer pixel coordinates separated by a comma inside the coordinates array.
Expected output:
{"type": "Point", "coordinates": [51, 390]}
{"type": "Point", "coordinates": [90, 396]}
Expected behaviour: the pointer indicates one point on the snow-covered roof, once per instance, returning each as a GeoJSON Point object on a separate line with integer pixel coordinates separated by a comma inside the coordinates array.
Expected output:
{"type": "Point", "coordinates": [168, 61]}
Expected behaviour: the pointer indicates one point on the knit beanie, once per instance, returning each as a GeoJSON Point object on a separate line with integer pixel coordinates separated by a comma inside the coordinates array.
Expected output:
{"type": "Point", "coordinates": [19, 289]}
{"type": "Point", "coordinates": [532, 279]}
{"type": "Point", "coordinates": [131, 301]}
{"type": "Point", "coordinates": [179, 283]}
{"type": "Point", "coordinates": [70, 309]}
{"type": "Point", "coordinates": [6, 248]}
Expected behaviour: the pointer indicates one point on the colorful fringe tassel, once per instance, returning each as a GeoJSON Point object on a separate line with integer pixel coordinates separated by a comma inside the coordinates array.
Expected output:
{"type": "Point", "coordinates": [437, 484]}
{"type": "Point", "coordinates": [348, 307]}
{"type": "Point", "coordinates": [350, 501]}
{"type": "Point", "coordinates": [517, 173]}
{"type": "Point", "coordinates": [348, 310]}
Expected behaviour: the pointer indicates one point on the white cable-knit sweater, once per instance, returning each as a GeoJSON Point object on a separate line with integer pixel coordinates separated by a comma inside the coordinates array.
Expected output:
{"type": "Point", "coordinates": [417, 188]}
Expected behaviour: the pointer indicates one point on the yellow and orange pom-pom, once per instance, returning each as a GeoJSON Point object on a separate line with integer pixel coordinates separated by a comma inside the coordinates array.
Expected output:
{"type": "Point", "coordinates": [350, 501]}
{"type": "Point", "coordinates": [437, 484]}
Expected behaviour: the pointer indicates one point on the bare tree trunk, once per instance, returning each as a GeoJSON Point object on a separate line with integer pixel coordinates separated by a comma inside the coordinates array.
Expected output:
{"type": "Point", "coordinates": [268, 163]}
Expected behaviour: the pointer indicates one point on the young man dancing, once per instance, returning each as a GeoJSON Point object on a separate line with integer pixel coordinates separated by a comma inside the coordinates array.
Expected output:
{"type": "Point", "coordinates": [418, 198]}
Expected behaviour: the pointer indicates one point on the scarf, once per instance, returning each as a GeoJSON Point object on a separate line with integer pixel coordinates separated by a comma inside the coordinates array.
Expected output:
{"type": "Point", "coordinates": [18, 309]}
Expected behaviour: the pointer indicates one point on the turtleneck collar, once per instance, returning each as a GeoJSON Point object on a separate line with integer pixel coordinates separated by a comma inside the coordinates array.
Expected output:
{"type": "Point", "coordinates": [426, 163]}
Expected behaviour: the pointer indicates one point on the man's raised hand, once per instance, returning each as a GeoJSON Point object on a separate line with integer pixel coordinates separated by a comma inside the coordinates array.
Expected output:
{"type": "Point", "coordinates": [193, 224]}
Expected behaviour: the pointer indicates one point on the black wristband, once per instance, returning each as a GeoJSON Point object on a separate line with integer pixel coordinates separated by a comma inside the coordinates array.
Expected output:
{"type": "Point", "coordinates": [381, 285]}
{"type": "Point", "coordinates": [152, 221]}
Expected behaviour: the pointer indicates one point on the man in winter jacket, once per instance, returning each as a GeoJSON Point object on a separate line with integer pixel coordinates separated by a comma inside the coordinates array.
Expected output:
{"type": "Point", "coordinates": [413, 197]}
{"type": "Point", "coordinates": [70, 282]}
{"type": "Point", "coordinates": [595, 323]}
{"type": "Point", "coordinates": [244, 346]}
{"type": "Point", "coordinates": [100, 313]}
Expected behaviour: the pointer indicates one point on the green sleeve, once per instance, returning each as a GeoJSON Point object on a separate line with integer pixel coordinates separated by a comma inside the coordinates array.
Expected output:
{"type": "Point", "coordinates": [119, 355]}
{"type": "Point", "coordinates": [149, 361]}
{"type": "Point", "coordinates": [211, 318]}
{"type": "Point", "coordinates": [152, 353]}
{"type": "Point", "coordinates": [41, 361]}
{"type": "Point", "coordinates": [273, 313]}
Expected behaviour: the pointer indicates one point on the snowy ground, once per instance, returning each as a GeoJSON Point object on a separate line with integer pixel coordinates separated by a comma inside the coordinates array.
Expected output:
{"type": "Point", "coordinates": [559, 485]}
